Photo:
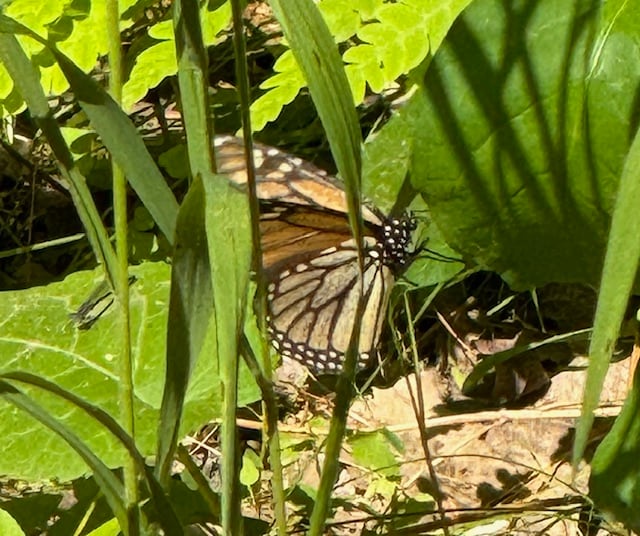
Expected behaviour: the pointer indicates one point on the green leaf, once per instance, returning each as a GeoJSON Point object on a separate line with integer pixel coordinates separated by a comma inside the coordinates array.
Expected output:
{"type": "Point", "coordinates": [110, 528]}
{"type": "Point", "coordinates": [155, 63]}
{"type": "Point", "coordinates": [250, 471]}
{"type": "Point", "coordinates": [151, 67]}
{"type": "Point", "coordinates": [515, 147]}
{"type": "Point", "coordinates": [615, 476]}
{"type": "Point", "coordinates": [110, 122]}
{"type": "Point", "coordinates": [397, 38]}
{"type": "Point", "coordinates": [343, 20]}
{"type": "Point", "coordinates": [8, 525]}
{"type": "Point", "coordinates": [385, 168]}
{"type": "Point", "coordinates": [372, 450]}
{"type": "Point", "coordinates": [125, 145]}
{"type": "Point", "coordinates": [229, 245]}
{"type": "Point", "coordinates": [614, 484]}
{"type": "Point", "coordinates": [83, 40]}
{"type": "Point", "coordinates": [190, 313]}
{"type": "Point", "coordinates": [317, 55]}
{"type": "Point", "coordinates": [618, 275]}
{"type": "Point", "coordinates": [285, 86]}
{"type": "Point", "coordinates": [381, 486]}
{"type": "Point", "coordinates": [36, 17]}
{"type": "Point", "coordinates": [394, 47]}
{"type": "Point", "coordinates": [489, 362]}
{"type": "Point", "coordinates": [166, 516]}
{"type": "Point", "coordinates": [175, 161]}
{"type": "Point", "coordinates": [38, 337]}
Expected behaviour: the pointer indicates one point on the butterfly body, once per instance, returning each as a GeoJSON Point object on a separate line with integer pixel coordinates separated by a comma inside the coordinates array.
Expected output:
{"type": "Point", "coordinates": [311, 260]}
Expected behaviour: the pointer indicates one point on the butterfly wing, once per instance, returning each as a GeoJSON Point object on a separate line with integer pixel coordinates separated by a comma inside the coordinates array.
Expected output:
{"type": "Point", "coordinates": [285, 179]}
{"type": "Point", "coordinates": [313, 307]}
{"type": "Point", "coordinates": [310, 258]}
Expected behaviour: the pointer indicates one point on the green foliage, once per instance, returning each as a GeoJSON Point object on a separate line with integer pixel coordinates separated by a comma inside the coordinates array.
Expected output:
{"type": "Point", "coordinates": [80, 33]}
{"type": "Point", "coordinates": [615, 479]}
{"type": "Point", "coordinates": [251, 468]}
{"type": "Point", "coordinates": [517, 152]}
{"type": "Point", "coordinates": [8, 525]}
{"type": "Point", "coordinates": [615, 476]}
{"type": "Point", "coordinates": [38, 337]}
{"type": "Point", "coordinates": [385, 170]}
{"type": "Point", "coordinates": [158, 61]}
{"type": "Point", "coordinates": [110, 528]}
{"type": "Point", "coordinates": [392, 39]}
{"type": "Point", "coordinates": [515, 149]}
{"type": "Point", "coordinates": [374, 451]}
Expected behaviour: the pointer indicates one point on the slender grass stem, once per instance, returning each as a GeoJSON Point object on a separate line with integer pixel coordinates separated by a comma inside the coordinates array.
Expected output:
{"type": "Point", "coordinates": [126, 391]}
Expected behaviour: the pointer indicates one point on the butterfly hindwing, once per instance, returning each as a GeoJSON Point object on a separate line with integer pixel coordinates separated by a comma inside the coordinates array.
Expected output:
{"type": "Point", "coordinates": [313, 307]}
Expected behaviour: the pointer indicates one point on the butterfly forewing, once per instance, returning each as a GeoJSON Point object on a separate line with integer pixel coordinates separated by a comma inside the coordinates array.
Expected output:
{"type": "Point", "coordinates": [274, 170]}
{"type": "Point", "coordinates": [293, 236]}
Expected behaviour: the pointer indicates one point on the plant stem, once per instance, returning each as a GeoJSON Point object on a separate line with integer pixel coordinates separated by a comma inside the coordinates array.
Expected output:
{"type": "Point", "coordinates": [126, 393]}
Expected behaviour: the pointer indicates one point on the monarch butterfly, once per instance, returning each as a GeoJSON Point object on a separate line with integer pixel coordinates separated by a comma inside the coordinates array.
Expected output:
{"type": "Point", "coordinates": [310, 257]}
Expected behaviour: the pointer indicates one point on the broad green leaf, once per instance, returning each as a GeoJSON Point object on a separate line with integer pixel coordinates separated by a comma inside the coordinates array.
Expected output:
{"type": "Point", "coordinates": [110, 485]}
{"type": "Point", "coordinates": [38, 337]}
{"type": "Point", "coordinates": [166, 517]}
{"type": "Point", "coordinates": [385, 169]}
{"type": "Point", "coordinates": [520, 133]}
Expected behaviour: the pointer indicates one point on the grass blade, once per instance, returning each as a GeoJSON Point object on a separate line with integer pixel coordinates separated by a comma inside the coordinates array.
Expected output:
{"type": "Point", "coordinates": [229, 244]}
{"type": "Point", "coordinates": [109, 484]}
{"type": "Point", "coordinates": [318, 57]}
{"type": "Point", "coordinates": [192, 78]}
{"type": "Point", "coordinates": [166, 515]}
{"type": "Point", "coordinates": [618, 276]}
{"type": "Point", "coordinates": [190, 312]}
